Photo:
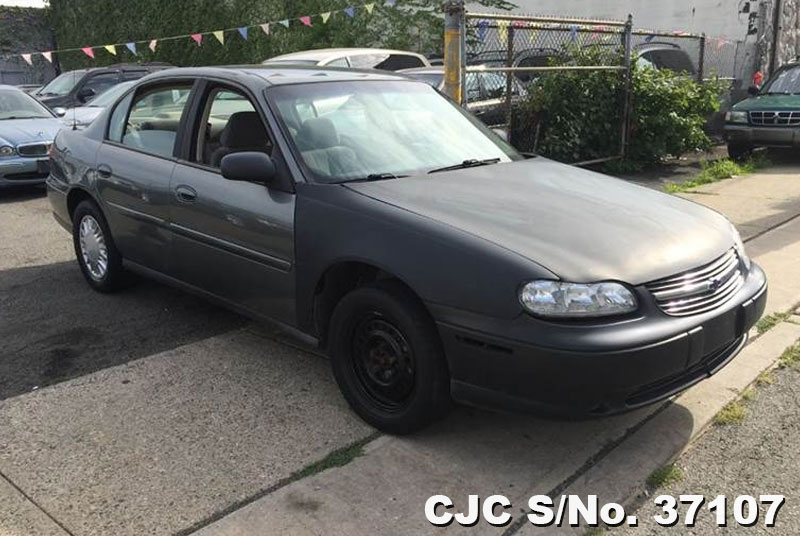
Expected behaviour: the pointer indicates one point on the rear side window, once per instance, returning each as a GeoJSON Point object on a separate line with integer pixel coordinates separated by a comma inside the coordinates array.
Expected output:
{"type": "Point", "coordinates": [101, 82]}
{"type": "Point", "coordinates": [395, 62]}
{"type": "Point", "coordinates": [154, 118]}
{"type": "Point", "coordinates": [116, 125]}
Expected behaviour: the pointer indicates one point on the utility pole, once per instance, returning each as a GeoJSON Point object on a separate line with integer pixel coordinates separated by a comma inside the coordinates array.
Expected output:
{"type": "Point", "coordinates": [777, 9]}
{"type": "Point", "coordinates": [454, 38]}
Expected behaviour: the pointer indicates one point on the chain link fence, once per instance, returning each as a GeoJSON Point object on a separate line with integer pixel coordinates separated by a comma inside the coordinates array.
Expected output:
{"type": "Point", "coordinates": [505, 57]}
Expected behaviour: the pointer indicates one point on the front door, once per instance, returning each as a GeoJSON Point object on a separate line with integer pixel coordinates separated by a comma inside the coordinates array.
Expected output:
{"type": "Point", "coordinates": [233, 239]}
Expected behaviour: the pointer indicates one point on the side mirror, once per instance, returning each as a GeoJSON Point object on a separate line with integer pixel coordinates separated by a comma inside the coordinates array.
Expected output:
{"type": "Point", "coordinates": [86, 94]}
{"type": "Point", "coordinates": [248, 166]}
{"type": "Point", "coordinates": [752, 90]}
{"type": "Point", "coordinates": [59, 111]}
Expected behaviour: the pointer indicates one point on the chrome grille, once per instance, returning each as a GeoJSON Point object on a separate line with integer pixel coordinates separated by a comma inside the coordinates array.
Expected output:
{"type": "Point", "coordinates": [34, 149]}
{"type": "Point", "coordinates": [775, 118]}
{"type": "Point", "coordinates": [699, 290]}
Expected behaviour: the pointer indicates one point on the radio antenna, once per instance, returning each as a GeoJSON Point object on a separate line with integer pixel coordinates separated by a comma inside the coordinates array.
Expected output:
{"type": "Point", "coordinates": [74, 114]}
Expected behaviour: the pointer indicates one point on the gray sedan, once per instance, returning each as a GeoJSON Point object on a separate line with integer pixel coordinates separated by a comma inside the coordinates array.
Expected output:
{"type": "Point", "coordinates": [367, 214]}
{"type": "Point", "coordinates": [27, 129]}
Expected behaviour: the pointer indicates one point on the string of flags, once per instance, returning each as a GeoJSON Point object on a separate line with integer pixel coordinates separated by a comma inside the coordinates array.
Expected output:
{"type": "Point", "coordinates": [219, 35]}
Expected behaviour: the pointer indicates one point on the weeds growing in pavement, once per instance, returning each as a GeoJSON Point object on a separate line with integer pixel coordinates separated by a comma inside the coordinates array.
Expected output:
{"type": "Point", "coordinates": [664, 476]}
{"type": "Point", "coordinates": [768, 322]}
{"type": "Point", "coordinates": [733, 413]}
{"type": "Point", "coordinates": [719, 170]}
{"type": "Point", "coordinates": [790, 357]}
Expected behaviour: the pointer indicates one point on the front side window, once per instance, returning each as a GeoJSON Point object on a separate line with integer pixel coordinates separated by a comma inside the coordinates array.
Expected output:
{"type": "Point", "coordinates": [360, 129]}
{"type": "Point", "coordinates": [15, 104]}
{"type": "Point", "coordinates": [62, 84]}
{"type": "Point", "coordinates": [230, 124]}
{"type": "Point", "coordinates": [154, 118]}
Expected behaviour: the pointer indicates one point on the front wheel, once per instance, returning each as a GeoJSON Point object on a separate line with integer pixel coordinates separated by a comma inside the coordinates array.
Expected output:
{"type": "Point", "coordinates": [387, 358]}
{"type": "Point", "coordinates": [97, 255]}
{"type": "Point", "coordinates": [738, 151]}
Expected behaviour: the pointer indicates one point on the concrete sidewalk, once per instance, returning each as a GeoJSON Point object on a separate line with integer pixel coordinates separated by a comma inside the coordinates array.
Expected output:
{"type": "Point", "coordinates": [221, 436]}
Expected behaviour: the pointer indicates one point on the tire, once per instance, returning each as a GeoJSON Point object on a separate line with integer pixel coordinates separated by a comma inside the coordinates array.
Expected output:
{"type": "Point", "coordinates": [98, 258]}
{"type": "Point", "coordinates": [739, 151]}
{"type": "Point", "coordinates": [373, 330]}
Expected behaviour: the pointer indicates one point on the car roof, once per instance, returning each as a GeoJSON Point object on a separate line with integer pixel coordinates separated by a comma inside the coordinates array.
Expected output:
{"type": "Point", "coordinates": [276, 75]}
{"type": "Point", "coordinates": [125, 67]}
{"type": "Point", "coordinates": [322, 54]}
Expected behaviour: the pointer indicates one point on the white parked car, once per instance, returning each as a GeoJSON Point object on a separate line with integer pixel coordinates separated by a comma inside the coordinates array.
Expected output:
{"type": "Point", "coordinates": [355, 58]}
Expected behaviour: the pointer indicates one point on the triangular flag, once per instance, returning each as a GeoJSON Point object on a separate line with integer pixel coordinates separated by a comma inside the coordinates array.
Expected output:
{"type": "Point", "coordinates": [131, 47]}
{"type": "Point", "coordinates": [48, 56]}
{"type": "Point", "coordinates": [242, 31]}
{"type": "Point", "coordinates": [88, 51]}
{"type": "Point", "coordinates": [306, 21]}
{"type": "Point", "coordinates": [369, 8]}
{"type": "Point", "coordinates": [284, 22]}
{"type": "Point", "coordinates": [265, 27]}
{"type": "Point", "coordinates": [483, 25]}
{"type": "Point", "coordinates": [351, 12]}
{"type": "Point", "coordinates": [390, 3]}
{"type": "Point", "coordinates": [220, 35]}
{"type": "Point", "coordinates": [649, 38]}
{"type": "Point", "coordinates": [198, 38]}
{"type": "Point", "coordinates": [325, 17]}
{"type": "Point", "coordinates": [573, 32]}
{"type": "Point", "coordinates": [502, 31]}
{"type": "Point", "coordinates": [152, 45]}
{"type": "Point", "coordinates": [27, 58]}
{"type": "Point", "coordinates": [111, 49]}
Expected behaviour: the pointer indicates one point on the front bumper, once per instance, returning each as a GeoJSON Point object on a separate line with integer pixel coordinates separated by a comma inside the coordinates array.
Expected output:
{"type": "Point", "coordinates": [762, 136]}
{"type": "Point", "coordinates": [586, 369]}
{"type": "Point", "coordinates": [23, 171]}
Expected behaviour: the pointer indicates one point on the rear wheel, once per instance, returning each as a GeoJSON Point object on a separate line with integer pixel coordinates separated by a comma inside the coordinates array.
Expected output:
{"type": "Point", "coordinates": [739, 151]}
{"type": "Point", "coordinates": [97, 255]}
{"type": "Point", "coordinates": [387, 358]}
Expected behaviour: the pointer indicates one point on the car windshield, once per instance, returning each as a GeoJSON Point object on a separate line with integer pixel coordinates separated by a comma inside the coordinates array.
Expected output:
{"type": "Point", "coordinates": [368, 130]}
{"type": "Point", "coordinates": [787, 82]}
{"type": "Point", "coordinates": [62, 84]}
{"type": "Point", "coordinates": [110, 95]}
{"type": "Point", "coordinates": [15, 104]}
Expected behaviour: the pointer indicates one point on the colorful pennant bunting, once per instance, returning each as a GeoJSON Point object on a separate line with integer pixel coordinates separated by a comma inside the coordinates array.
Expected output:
{"type": "Point", "coordinates": [369, 8]}
{"type": "Point", "coordinates": [88, 51]}
{"type": "Point", "coordinates": [306, 21]}
{"type": "Point", "coordinates": [198, 38]}
{"type": "Point", "coordinates": [502, 31]}
{"type": "Point", "coordinates": [152, 45]}
{"type": "Point", "coordinates": [48, 56]}
{"type": "Point", "coordinates": [220, 35]}
{"type": "Point", "coordinates": [350, 11]}
{"type": "Point", "coordinates": [284, 22]}
{"type": "Point", "coordinates": [243, 32]}
{"type": "Point", "coordinates": [131, 47]}
{"type": "Point", "coordinates": [27, 58]}
{"type": "Point", "coordinates": [325, 16]}
{"type": "Point", "coordinates": [390, 3]}
{"type": "Point", "coordinates": [483, 26]}
{"type": "Point", "coordinates": [111, 49]}
{"type": "Point", "coordinates": [265, 28]}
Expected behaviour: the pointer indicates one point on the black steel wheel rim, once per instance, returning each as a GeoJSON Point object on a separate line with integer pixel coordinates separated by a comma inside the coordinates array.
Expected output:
{"type": "Point", "coordinates": [383, 362]}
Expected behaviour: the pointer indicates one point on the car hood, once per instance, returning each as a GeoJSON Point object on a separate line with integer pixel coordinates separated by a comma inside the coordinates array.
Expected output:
{"type": "Point", "coordinates": [580, 225]}
{"type": "Point", "coordinates": [18, 131]}
{"type": "Point", "coordinates": [768, 102]}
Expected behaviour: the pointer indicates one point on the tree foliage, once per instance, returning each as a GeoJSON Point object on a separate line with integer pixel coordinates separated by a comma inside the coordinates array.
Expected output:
{"type": "Point", "coordinates": [410, 24]}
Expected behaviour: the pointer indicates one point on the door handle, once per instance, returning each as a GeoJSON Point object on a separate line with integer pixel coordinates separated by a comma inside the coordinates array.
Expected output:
{"type": "Point", "coordinates": [185, 194]}
{"type": "Point", "coordinates": [104, 171]}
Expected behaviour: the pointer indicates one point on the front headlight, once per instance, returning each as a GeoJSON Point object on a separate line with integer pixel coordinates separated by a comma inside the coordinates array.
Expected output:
{"type": "Point", "coordinates": [739, 245]}
{"type": "Point", "coordinates": [560, 299]}
{"type": "Point", "coordinates": [736, 117]}
{"type": "Point", "coordinates": [7, 150]}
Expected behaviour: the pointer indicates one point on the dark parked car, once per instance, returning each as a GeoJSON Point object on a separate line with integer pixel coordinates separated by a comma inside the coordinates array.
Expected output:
{"type": "Point", "coordinates": [370, 215]}
{"type": "Point", "coordinates": [485, 92]}
{"type": "Point", "coordinates": [769, 118]}
{"type": "Point", "coordinates": [74, 88]}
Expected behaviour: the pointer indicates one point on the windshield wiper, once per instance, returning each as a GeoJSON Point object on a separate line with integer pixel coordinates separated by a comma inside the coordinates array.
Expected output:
{"type": "Point", "coordinates": [467, 164]}
{"type": "Point", "coordinates": [373, 177]}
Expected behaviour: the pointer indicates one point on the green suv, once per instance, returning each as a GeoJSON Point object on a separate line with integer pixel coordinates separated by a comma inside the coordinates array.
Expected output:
{"type": "Point", "coordinates": [770, 118]}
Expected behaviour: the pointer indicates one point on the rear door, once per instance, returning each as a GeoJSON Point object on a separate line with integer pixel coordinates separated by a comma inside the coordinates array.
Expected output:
{"type": "Point", "coordinates": [232, 239]}
{"type": "Point", "coordinates": [134, 166]}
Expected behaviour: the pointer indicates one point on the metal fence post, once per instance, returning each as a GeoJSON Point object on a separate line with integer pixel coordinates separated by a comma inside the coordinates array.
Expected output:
{"type": "Point", "coordinates": [627, 41]}
{"type": "Point", "coordinates": [701, 61]}
{"type": "Point", "coordinates": [454, 38]}
{"type": "Point", "coordinates": [510, 84]}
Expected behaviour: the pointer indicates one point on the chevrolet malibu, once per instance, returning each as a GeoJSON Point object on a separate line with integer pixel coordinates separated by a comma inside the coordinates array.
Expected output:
{"type": "Point", "coordinates": [367, 214]}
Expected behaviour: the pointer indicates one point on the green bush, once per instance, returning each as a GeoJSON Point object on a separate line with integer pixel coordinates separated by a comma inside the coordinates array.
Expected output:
{"type": "Point", "coordinates": [576, 115]}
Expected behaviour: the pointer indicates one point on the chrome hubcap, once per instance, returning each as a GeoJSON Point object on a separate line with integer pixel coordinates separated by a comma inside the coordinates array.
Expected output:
{"type": "Point", "coordinates": [93, 248]}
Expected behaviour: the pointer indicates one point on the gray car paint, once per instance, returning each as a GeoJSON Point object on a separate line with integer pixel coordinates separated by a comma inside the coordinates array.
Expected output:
{"type": "Point", "coordinates": [466, 244]}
